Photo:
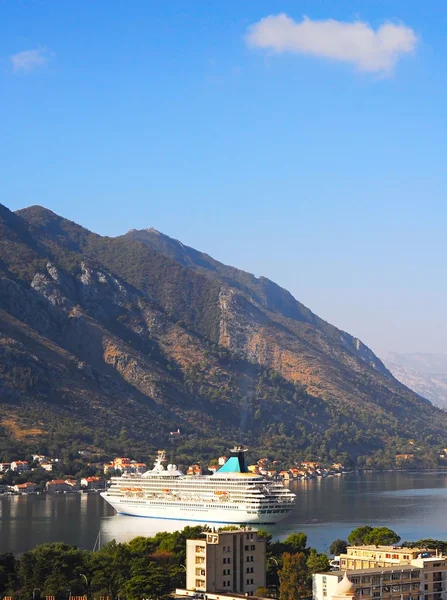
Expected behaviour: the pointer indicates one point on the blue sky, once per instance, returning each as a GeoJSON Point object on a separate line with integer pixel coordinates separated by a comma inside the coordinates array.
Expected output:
{"type": "Point", "coordinates": [317, 161]}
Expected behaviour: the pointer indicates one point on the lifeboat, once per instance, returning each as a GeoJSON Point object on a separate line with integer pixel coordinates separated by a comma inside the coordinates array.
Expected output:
{"type": "Point", "coordinates": [166, 491]}
{"type": "Point", "coordinates": [220, 493]}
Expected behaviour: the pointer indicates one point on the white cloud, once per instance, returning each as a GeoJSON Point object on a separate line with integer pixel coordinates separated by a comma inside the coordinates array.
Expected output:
{"type": "Point", "coordinates": [28, 60]}
{"type": "Point", "coordinates": [356, 43]}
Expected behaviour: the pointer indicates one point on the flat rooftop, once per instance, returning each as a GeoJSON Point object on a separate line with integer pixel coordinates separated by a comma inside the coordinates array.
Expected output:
{"type": "Point", "coordinates": [391, 549]}
{"type": "Point", "coordinates": [372, 570]}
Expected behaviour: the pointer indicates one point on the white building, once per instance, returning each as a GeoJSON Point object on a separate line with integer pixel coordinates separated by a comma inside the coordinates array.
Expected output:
{"type": "Point", "coordinates": [19, 466]}
{"type": "Point", "coordinates": [387, 575]}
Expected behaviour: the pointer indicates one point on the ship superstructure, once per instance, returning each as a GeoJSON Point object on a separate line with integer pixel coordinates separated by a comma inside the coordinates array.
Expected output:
{"type": "Point", "coordinates": [231, 495]}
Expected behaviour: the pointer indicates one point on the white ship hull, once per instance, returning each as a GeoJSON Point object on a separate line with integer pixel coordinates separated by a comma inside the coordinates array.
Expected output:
{"type": "Point", "coordinates": [233, 495]}
{"type": "Point", "coordinates": [200, 514]}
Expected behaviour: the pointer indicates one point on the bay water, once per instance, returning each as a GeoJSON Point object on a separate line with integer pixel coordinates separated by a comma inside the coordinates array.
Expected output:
{"type": "Point", "coordinates": [413, 504]}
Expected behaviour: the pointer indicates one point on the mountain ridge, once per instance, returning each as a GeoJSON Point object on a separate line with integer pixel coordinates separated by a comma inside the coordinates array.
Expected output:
{"type": "Point", "coordinates": [216, 354]}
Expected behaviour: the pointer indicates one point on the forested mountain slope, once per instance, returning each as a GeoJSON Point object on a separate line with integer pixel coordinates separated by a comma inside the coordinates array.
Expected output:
{"type": "Point", "coordinates": [118, 341]}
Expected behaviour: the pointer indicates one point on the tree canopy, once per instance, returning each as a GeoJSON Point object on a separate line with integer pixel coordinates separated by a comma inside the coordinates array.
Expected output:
{"type": "Point", "coordinates": [338, 547]}
{"type": "Point", "coordinates": [376, 536]}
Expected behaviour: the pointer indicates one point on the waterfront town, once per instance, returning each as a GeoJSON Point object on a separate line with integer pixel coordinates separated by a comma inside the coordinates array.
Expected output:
{"type": "Point", "coordinates": [33, 476]}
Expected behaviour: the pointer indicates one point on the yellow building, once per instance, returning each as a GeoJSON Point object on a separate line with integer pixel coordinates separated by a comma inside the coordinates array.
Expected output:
{"type": "Point", "coordinates": [387, 573]}
{"type": "Point", "coordinates": [365, 557]}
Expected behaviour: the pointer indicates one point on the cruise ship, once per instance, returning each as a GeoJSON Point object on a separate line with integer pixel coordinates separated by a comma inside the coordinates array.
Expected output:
{"type": "Point", "coordinates": [232, 495]}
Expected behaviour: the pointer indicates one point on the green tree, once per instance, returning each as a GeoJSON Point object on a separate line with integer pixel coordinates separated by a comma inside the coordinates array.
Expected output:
{"type": "Point", "coordinates": [382, 536]}
{"type": "Point", "coordinates": [294, 581]}
{"type": "Point", "coordinates": [8, 572]}
{"type": "Point", "coordinates": [295, 542]}
{"type": "Point", "coordinates": [110, 568]}
{"type": "Point", "coordinates": [357, 535]}
{"type": "Point", "coordinates": [316, 562]}
{"type": "Point", "coordinates": [428, 543]}
{"type": "Point", "coordinates": [338, 547]}
{"type": "Point", "coordinates": [52, 568]}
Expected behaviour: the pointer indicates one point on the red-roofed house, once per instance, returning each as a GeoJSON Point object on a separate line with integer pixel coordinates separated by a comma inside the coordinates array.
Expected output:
{"type": "Point", "coordinates": [92, 483]}
{"type": "Point", "coordinates": [57, 485]}
{"type": "Point", "coordinates": [25, 488]}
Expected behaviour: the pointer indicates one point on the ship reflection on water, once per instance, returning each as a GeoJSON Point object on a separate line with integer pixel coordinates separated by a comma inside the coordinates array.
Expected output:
{"type": "Point", "coordinates": [124, 528]}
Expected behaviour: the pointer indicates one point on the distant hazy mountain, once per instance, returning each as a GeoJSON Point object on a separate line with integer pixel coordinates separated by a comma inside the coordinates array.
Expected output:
{"type": "Point", "coordinates": [426, 374]}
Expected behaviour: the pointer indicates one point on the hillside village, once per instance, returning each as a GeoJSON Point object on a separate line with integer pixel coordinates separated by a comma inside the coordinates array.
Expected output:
{"type": "Point", "coordinates": [27, 477]}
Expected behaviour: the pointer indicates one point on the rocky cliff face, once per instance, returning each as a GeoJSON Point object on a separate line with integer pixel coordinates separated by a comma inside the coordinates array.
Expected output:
{"type": "Point", "coordinates": [130, 338]}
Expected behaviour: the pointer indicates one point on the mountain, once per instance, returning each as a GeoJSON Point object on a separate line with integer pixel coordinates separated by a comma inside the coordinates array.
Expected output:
{"type": "Point", "coordinates": [426, 374]}
{"type": "Point", "coordinates": [119, 341]}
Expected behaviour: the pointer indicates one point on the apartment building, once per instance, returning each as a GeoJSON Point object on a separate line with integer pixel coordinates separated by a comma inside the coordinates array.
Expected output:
{"type": "Point", "coordinates": [228, 562]}
{"type": "Point", "coordinates": [387, 573]}
{"type": "Point", "coordinates": [365, 557]}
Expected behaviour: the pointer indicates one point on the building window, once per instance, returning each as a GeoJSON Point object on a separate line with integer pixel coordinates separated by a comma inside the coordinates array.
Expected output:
{"type": "Point", "coordinates": [252, 547]}
{"type": "Point", "coordinates": [246, 548]}
{"type": "Point", "coordinates": [324, 593]}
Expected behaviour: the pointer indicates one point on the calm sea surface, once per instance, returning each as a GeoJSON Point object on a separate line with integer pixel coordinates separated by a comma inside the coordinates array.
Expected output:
{"type": "Point", "coordinates": [413, 504]}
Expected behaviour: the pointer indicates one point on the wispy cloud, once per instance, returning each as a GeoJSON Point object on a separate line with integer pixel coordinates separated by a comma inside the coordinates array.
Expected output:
{"type": "Point", "coordinates": [356, 43]}
{"type": "Point", "coordinates": [29, 60]}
